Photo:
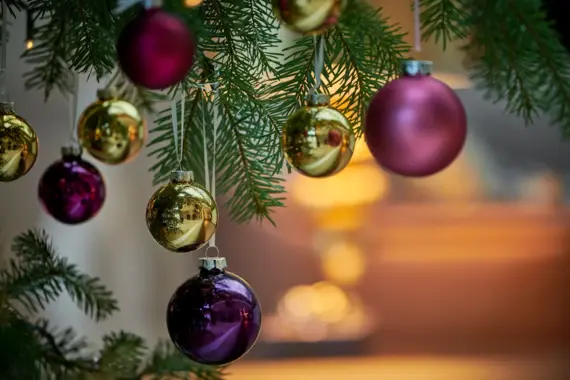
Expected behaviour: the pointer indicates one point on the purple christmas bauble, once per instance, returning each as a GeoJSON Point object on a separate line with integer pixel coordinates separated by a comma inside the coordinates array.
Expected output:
{"type": "Point", "coordinates": [72, 190]}
{"type": "Point", "coordinates": [214, 318]}
{"type": "Point", "coordinates": [416, 125]}
{"type": "Point", "coordinates": [156, 49]}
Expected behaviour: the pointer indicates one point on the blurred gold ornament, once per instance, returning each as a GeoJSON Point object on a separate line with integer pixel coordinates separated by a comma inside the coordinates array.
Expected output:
{"type": "Point", "coordinates": [317, 140]}
{"type": "Point", "coordinates": [112, 130]}
{"type": "Point", "coordinates": [308, 16]}
{"type": "Point", "coordinates": [182, 216]}
{"type": "Point", "coordinates": [18, 144]}
{"type": "Point", "coordinates": [192, 3]}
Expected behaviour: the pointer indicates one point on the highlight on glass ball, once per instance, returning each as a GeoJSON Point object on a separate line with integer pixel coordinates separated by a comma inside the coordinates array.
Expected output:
{"type": "Point", "coordinates": [308, 16]}
{"type": "Point", "coordinates": [416, 126]}
{"type": "Point", "coordinates": [18, 144]}
{"type": "Point", "coordinates": [156, 49]}
{"type": "Point", "coordinates": [71, 189]}
{"type": "Point", "coordinates": [318, 141]}
{"type": "Point", "coordinates": [214, 318]}
{"type": "Point", "coordinates": [182, 216]}
{"type": "Point", "coordinates": [112, 130]}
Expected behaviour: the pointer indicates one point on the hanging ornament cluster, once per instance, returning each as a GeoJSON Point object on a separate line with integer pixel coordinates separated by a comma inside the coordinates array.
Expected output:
{"type": "Point", "coordinates": [317, 140]}
{"type": "Point", "coordinates": [111, 129]}
{"type": "Point", "coordinates": [214, 317]}
{"type": "Point", "coordinates": [308, 16]}
{"type": "Point", "coordinates": [71, 189]}
{"type": "Point", "coordinates": [416, 125]}
{"type": "Point", "coordinates": [182, 216]}
{"type": "Point", "coordinates": [156, 49]}
{"type": "Point", "coordinates": [18, 144]}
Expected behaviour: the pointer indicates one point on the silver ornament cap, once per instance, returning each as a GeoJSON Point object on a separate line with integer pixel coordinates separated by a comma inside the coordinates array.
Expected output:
{"type": "Point", "coordinates": [414, 68]}
{"type": "Point", "coordinates": [210, 263]}
{"type": "Point", "coordinates": [182, 176]}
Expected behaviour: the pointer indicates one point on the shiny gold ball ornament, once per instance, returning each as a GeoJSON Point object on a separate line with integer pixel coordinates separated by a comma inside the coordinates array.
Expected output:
{"type": "Point", "coordinates": [308, 16]}
{"type": "Point", "coordinates": [182, 216]}
{"type": "Point", "coordinates": [111, 129]}
{"type": "Point", "coordinates": [317, 140]}
{"type": "Point", "coordinates": [18, 144]}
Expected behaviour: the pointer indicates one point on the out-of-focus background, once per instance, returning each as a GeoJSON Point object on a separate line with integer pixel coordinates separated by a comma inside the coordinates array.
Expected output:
{"type": "Point", "coordinates": [461, 276]}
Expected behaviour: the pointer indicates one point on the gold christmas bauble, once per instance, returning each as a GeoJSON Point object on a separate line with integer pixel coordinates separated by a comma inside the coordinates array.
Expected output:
{"type": "Point", "coordinates": [111, 130]}
{"type": "Point", "coordinates": [18, 144]}
{"type": "Point", "coordinates": [182, 216]}
{"type": "Point", "coordinates": [308, 16]}
{"type": "Point", "coordinates": [317, 140]}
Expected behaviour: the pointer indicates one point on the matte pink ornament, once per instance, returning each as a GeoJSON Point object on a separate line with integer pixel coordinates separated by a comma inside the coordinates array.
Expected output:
{"type": "Point", "coordinates": [156, 49]}
{"type": "Point", "coordinates": [416, 125]}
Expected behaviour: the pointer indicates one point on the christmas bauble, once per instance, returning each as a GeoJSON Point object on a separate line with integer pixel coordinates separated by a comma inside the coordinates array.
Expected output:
{"type": "Point", "coordinates": [156, 49]}
{"type": "Point", "coordinates": [416, 126]}
{"type": "Point", "coordinates": [308, 16]}
{"type": "Point", "coordinates": [182, 216]}
{"type": "Point", "coordinates": [214, 318]}
{"type": "Point", "coordinates": [72, 190]}
{"type": "Point", "coordinates": [112, 130]}
{"type": "Point", "coordinates": [317, 140]}
{"type": "Point", "coordinates": [18, 144]}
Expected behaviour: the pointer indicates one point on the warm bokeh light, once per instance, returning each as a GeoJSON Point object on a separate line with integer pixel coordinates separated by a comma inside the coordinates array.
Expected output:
{"type": "Point", "coordinates": [355, 185]}
{"type": "Point", "coordinates": [318, 312]}
{"type": "Point", "coordinates": [458, 182]}
{"type": "Point", "coordinates": [29, 44]}
{"type": "Point", "coordinates": [343, 263]}
{"type": "Point", "coordinates": [192, 3]}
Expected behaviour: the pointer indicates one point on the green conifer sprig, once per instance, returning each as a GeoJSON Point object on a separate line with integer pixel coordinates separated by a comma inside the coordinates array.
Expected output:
{"type": "Point", "coordinates": [33, 349]}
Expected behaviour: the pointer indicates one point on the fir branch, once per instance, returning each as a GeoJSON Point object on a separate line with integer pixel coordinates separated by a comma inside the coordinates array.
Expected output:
{"type": "Point", "coordinates": [166, 363]}
{"type": "Point", "coordinates": [48, 57]}
{"type": "Point", "coordinates": [513, 52]}
{"type": "Point", "coordinates": [122, 354]}
{"type": "Point", "coordinates": [40, 276]}
{"type": "Point", "coordinates": [444, 20]}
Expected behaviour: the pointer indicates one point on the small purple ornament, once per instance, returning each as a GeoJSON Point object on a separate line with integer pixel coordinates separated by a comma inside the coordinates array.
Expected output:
{"type": "Point", "coordinates": [72, 190]}
{"type": "Point", "coordinates": [214, 318]}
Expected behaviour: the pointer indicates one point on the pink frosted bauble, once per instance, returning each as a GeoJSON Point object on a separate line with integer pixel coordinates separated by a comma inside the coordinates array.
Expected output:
{"type": "Point", "coordinates": [416, 125]}
{"type": "Point", "coordinates": [156, 49]}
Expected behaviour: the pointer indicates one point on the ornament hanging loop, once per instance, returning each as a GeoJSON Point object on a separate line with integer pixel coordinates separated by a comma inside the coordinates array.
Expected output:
{"type": "Point", "coordinates": [212, 247]}
{"type": "Point", "coordinates": [319, 42]}
{"type": "Point", "coordinates": [417, 27]}
{"type": "Point", "coordinates": [4, 54]}
{"type": "Point", "coordinates": [178, 135]}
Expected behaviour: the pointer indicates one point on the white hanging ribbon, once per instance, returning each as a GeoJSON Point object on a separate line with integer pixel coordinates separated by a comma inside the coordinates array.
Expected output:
{"type": "Point", "coordinates": [210, 175]}
{"type": "Point", "coordinates": [72, 104]}
{"type": "Point", "coordinates": [319, 43]}
{"type": "Point", "coordinates": [417, 27]}
{"type": "Point", "coordinates": [4, 97]}
{"type": "Point", "coordinates": [178, 137]}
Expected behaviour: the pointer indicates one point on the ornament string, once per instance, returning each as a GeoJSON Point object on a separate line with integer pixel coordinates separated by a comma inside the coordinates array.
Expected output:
{"type": "Point", "coordinates": [319, 43]}
{"type": "Point", "coordinates": [4, 55]}
{"type": "Point", "coordinates": [210, 175]}
{"type": "Point", "coordinates": [72, 104]}
{"type": "Point", "coordinates": [417, 27]}
{"type": "Point", "coordinates": [178, 135]}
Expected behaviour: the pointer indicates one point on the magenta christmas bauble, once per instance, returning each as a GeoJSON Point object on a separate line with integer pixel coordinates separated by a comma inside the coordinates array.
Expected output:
{"type": "Point", "coordinates": [416, 125]}
{"type": "Point", "coordinates": [156, 49]}
{"type": "Point", "coordinates": [214, 318]}
{"type": "Point", "coordinates": [72, 190]}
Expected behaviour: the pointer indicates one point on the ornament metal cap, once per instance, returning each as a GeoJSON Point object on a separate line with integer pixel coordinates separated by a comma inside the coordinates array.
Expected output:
{"type": "Point", "coordinates": [414, 68]}
{"type": "Point", "coordinates": [105, 94]}
{"type": "Point", "coordinates": [6, 107]}
{"type": "Point", "coordinates": [182, 176]}
{"type": "Point", "coordinates": [210, 263]}
{"type": "Point", "coordinates": [318, 100]}
{"type": "Point", "coordinates": [72, 150]}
